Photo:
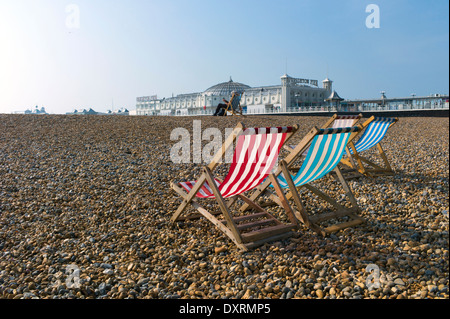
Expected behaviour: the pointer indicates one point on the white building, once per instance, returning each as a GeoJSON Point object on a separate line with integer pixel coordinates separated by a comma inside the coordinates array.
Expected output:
{"type": "Point", "coordinates": [291, 93]}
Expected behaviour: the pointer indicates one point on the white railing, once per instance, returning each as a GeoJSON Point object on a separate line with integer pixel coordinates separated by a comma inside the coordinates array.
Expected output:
{"type": "Point", "coordinates": [421, 105]}
{"type": "Point", "coordinates": [405, 107]}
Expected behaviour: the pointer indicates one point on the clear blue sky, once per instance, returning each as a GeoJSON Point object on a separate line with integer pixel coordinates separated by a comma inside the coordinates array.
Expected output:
{"type": "Point", "coordinates": [125, 49]}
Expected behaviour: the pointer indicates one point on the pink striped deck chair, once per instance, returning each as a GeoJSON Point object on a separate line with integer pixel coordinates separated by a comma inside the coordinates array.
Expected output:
{"type": "Point", "coordinates": [254, 159]}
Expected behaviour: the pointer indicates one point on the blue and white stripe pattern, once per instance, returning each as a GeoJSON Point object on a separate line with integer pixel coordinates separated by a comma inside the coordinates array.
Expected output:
{"type": "Point", "coordinates": [325, 152]}
{"type": "Point", "coordinates": [235, 101]}
{"type": "Point", "coordinates": [373, 134]}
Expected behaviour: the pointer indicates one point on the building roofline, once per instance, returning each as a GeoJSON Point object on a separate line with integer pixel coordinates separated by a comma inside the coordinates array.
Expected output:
{"type": "Point", "coordinates": [399, 98]}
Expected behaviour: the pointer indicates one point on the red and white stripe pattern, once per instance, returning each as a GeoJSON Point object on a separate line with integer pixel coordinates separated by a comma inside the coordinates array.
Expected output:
{"type": "Point", "coordinates": [255, 156]}
{"type": "Point", "coordinates": [344, 121]}
{"type": "Point", "coordinates": [339, 122]}
{"type": "Point", "coordinates": [204, 192]}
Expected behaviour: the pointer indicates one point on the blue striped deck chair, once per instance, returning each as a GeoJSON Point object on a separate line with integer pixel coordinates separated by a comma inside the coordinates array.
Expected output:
{"type": "Point", "coordinates": [325, 150]}
{"type": "Point", "coordinates": [234, 105]}
{"type": "Point", "coordinates": [375, 130]}
{"type": "Point", "coordinates": [337, 121]}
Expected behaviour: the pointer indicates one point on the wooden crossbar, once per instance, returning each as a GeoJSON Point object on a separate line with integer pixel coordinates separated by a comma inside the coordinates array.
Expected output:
{"type": "Point", "coordinates": [247, 217]}
{"type": "Point", "coordinates": [257, 223]}
{"type": "Point", "coordinates": [265, 232]}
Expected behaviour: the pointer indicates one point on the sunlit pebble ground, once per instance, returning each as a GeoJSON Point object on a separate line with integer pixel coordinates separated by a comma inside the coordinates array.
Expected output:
{"type": "Point", "coordinates": [93, 191]}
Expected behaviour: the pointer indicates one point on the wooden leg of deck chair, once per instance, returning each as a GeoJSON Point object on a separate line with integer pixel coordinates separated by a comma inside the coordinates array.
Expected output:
{"type": "Point", "coordinates": [184, 195]}
{"type": "Point", "coordinates": [256, 193]}
{"type": "Point", "coordinates": [241, 111]}
{"type": "Point", "coordinates": [340, 178]}
{"type": "Point", "coordinates": [352, 169]}
{"type": "Point", "coordinates": [219, 225]}
{"type": "Point", "coordinates": [208, 215]}
{"type": "Point", "coordinates": [250, 203]}
{"type": "Point", "coordinates": [372, 172]}
{"type": "Point", "coordinates": [342, 211]}
{"type": "Point", "coordinates": [312, 222]}
{"type": "Point", "coordinates": [348, 163]}
{"type": "Point", "coordinates": [284, 202]}
{"type": "Point", "coordinates": [300, 214]}
{"type": "Point", "coordinates": [188, 198]}
{"type": "Point", "coordinates": [383, 156]}
{"type": "Point", "coordinates": [232, 201]}
{"type": "Point", "coordinates": [223, 207]}
{"type": "Point", "coordinates": [262, 226]}
{"type": "Point", "coordinates": [350, 157]}
{"type": "Point", "coordinates": [274, 198]}
{"type": "Point", "coordinates": [346, 187]}
{"type": "Point", "coordinates": [204, 212]}
{"type": "Point", "coordinates": [360, 167]}
{"type": "Point", "coordinates": [324, 196]}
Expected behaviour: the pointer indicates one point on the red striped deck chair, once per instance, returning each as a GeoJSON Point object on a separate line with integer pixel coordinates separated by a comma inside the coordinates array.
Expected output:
{"type": "Point", "coordinates": [326, 148]}
{"type": "Point", "coordinates": [375, 130]}
{"type": "Point", "coordinates": [255, 156]}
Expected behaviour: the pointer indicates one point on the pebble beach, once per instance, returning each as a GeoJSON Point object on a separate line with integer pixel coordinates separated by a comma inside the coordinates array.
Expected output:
{"type": "Point", "coordinates": [92, 193]}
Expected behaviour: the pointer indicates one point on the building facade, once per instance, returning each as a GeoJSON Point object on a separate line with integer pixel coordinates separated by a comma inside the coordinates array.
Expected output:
{"type": "Point", "coordinates": [291, 93]}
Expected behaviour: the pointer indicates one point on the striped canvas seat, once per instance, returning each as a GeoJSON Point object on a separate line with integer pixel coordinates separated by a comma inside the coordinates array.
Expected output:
{"type": "Point", "coordinates": [204, 192]}
{"type": "Point", "coordinates": [325, 152]}
{"type": "Point", "coordinates": [375, 131]}
{"type": "Point", "coordinates": [235, 102]}
{"type": "Point", "coordinates": [373, 134]}
{"type": "Point", "coordinates": [339, 121]}
{"type": "Point", "coordinates": [254, 158]}
{"type": "Point", "coordinates": [345, 121]}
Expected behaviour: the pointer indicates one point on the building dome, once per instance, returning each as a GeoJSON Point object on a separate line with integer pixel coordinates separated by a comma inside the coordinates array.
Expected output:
{"type": "Point", "coordinates": [225, 88]}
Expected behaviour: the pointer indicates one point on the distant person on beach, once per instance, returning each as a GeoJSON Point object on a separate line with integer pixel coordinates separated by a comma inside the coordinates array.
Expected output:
{"type": "Point", "coordinates": [221, 109]}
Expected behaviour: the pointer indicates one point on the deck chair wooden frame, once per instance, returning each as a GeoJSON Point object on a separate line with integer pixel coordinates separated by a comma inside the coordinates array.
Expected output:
{"type": "Point", "coordinates": [375, 129]}
{"type": "Point", "coordinates": [323, 158]}
{"type": "Point", "coordinates": [234, 105]}
{"type": "Point", "coordinates": [245, 231]}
